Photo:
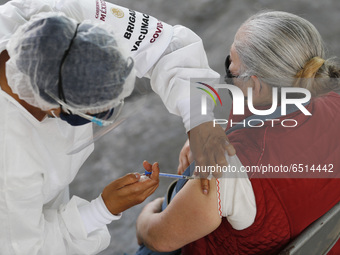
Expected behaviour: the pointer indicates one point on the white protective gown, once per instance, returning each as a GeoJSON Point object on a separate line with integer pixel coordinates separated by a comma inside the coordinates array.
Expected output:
{"type": "Point", "coordinates": [36, 215]}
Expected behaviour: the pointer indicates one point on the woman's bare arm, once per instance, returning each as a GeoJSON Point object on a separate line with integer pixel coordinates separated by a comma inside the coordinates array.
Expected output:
{"type": "Point", "coordinates": [190, 216]}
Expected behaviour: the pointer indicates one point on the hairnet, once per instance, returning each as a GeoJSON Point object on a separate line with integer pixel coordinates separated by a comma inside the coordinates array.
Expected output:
{"type": "Point", "coordinates": [95, 74]}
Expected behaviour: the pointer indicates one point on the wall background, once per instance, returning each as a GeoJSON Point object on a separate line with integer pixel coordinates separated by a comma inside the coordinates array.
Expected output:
{"type": "Point", "coordinates": [154, 134]}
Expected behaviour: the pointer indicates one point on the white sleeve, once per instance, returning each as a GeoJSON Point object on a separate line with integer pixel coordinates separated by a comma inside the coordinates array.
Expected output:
{"type": "Point", "coordinates": [27, 227]}
{"type": "Point", "coordinates": [96, 215]}
{"type": "Point", "coordinates": [236, 199]}
{"type": "Point", "coordinates": [169, 56]}
{"type": "Point", "coordinates": [144, 36]}
{"type": "Point", "coordinates": [183, 61]}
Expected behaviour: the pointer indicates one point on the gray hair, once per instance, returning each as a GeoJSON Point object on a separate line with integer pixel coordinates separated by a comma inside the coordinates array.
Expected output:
{"type": "Point", "coordinates": [276, 46]}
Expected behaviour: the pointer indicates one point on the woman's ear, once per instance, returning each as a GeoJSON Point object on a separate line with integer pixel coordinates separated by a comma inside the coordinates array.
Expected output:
{"type": "Point", "coordinates": [262, 92]}
{"type": "Point", "coordinates": [257, 86]}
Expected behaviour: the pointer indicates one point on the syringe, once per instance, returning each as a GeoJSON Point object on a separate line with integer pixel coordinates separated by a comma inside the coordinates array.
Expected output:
{"type": "Point", "coordinates": [175, 176]}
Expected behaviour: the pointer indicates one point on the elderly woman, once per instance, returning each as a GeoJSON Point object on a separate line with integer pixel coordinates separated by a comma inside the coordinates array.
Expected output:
{"type": "Point", "coordinates": [260, 215]}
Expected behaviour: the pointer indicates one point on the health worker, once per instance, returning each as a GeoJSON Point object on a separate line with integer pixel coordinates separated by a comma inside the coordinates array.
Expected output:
{"type": "Point", "coordinates": [53, 83]}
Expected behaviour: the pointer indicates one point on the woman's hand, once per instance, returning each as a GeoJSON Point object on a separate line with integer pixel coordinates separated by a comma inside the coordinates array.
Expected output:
{"type": "Point", "coordinates": [185, 158]}
{"type": "Point", "coordinates": [128, 191]}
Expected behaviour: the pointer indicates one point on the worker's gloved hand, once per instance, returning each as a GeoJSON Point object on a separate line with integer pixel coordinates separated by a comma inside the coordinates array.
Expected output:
{"type": "Point", "coordinates": [128, 191]}
{"type": "Point", "coordinates": [208, 145]}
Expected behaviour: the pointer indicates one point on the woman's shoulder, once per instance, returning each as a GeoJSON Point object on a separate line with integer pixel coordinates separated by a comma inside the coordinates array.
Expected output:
{"type": "Point", "coordinates": [327, 107]}
{"type": "Point", "coordinates": [329, 97]}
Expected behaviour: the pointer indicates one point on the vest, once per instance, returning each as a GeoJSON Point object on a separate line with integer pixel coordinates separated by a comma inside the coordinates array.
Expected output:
{"type": "Point", "coordinates": [285, 206]}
